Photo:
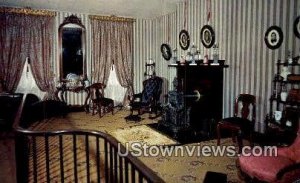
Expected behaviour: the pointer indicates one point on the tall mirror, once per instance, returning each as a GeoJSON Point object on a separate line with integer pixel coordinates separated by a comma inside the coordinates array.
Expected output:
{"type": "Point", "coordinates": [72, 49]}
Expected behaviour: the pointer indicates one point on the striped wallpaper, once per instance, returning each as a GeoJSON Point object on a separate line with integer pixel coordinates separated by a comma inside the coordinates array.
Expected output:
{"type": "Point", "coordinates": [239, 26]}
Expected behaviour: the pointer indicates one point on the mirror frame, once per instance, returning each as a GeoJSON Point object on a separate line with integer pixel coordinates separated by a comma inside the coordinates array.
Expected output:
{"type": "Point", "coordinates": [72, 19]}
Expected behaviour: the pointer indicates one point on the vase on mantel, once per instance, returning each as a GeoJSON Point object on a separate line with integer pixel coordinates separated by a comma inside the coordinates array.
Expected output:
{"type": "Point", "coordinates": [283, 96]}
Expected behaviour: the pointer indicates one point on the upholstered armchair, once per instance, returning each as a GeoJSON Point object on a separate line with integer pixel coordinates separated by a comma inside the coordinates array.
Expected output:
{"type": "Point", "coordinates": [147, 100]}
{"type": "Point", "coordinates": [285, 167]}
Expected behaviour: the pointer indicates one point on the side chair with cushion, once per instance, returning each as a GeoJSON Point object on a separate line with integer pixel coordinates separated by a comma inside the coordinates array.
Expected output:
{"type": "Point", "coordinates": [148, 100]}
{"type": "Point", "coordinates": [285, 167]}
{"type": "Point", "coordinates": [95, 100]}
{"type": "Point", "coordinates": [242, 123]}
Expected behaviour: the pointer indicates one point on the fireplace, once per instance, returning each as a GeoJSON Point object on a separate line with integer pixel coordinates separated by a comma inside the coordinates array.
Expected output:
{"type": "Point", "coordinates": [201, 114]}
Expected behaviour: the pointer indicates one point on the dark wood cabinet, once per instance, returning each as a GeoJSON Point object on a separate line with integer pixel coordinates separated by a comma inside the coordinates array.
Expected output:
{"type": "Point", "coordinates": [207, 80]}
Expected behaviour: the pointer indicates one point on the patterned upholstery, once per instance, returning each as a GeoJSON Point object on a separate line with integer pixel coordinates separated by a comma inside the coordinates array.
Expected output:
{"type": "Point", "coordinates": [152, 89]}
{"type": "Point", "coordinates": [175, 113]}
{"type": "Point", "coordinates": [147, 101]}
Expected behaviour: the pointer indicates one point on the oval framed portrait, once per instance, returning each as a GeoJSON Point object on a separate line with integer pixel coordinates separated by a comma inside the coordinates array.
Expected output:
{"type": "Point", "coordinates": [207, 36]}
{"type": "Point", "coordinates": [184, 39]}
{"type": "Point", "coordinates": [297, 27]}
{"type": "Point", "coordinates": [166, 51]}
{"type": "Point", "coordinates": [274, 37]}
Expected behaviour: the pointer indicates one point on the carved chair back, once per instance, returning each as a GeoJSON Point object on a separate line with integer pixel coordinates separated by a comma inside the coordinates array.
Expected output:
{"type": "Point", "coordinates": [245, 106]}
{"type": "Point", "coordinates": [96, 91]}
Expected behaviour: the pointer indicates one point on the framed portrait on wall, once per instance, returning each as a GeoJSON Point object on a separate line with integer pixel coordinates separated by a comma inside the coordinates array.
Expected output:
{"type": "Point", "coordinates": [166, 51]}
{"type": "Point", "coordinates": [274, 37]}
{"type": "Point", "coordinates": [297, 27]}
{"type": "Point", "coordinates": [184, 39]}
{"type": "Point", "coordinates": [207, 36]}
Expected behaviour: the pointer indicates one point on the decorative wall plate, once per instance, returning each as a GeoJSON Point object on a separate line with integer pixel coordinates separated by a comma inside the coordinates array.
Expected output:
{"type": "Point", "coordinates": [297, 27]}
{"type": "Point", "coordinates": [207, 36]}
{"type": "Point", "coordinates": [166, 51]}
{"type": "Point", "coordinates": [184, 39]}
{"type": "Point", "coordinates": [274, 37]}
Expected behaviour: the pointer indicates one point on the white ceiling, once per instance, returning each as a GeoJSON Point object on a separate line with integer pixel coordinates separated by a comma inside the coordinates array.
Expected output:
{"type": "Point", "coordinates": [126, 8]}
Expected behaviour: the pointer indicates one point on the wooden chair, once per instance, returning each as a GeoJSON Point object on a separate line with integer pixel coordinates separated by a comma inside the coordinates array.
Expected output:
{"type": "Point", "coordinates": [95, 100]}
{"type": "Point", "coordinates": [240, 124]}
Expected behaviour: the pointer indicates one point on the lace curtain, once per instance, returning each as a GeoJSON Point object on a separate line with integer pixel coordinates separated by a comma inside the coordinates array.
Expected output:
{"type": "Point", "coordinates": [113, 88]}
{"type": "Point", "coordinates": [27, 83]}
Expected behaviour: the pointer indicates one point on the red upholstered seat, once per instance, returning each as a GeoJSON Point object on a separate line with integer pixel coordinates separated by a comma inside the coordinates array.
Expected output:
{"type": "Point", "coordinates": [263, 168]}
{"type": "Point", "coordinates": [269, 168]}
{"type": "Point", "coordinates": [292, 152]}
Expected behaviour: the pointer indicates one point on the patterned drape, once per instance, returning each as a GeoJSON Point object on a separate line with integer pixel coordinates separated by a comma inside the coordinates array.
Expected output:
{"type": "Point", "coordinates": [112, 43]}
{"type": "Point", "coordinates": [12, 57]}
{"type": "Point", "coordinates": [103, 49]}
{"type": "Point", "coordinates": [40, 38]}
{"type": "Point", "coordinates": [123, 56]}
{"type": "Point", "coordinates": [22, 36]}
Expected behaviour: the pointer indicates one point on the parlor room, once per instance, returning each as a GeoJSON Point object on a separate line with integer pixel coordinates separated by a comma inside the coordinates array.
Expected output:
{"type": "Point", "coordinates": [150, 91]}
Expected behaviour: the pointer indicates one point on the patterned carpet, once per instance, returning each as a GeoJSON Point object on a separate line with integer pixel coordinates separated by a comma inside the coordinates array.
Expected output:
{"type": "Point", "coordinates": [173, 168]}
{"type": "Point", "coordinates": [142, 134]}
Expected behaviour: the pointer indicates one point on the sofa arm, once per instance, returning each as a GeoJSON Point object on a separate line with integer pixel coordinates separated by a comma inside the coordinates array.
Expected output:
{"type": "Point", "coordinates": [287, 169]}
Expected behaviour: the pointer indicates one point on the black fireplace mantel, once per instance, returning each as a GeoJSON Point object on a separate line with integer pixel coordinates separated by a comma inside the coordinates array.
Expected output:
{"type": "Point", "coordinates": [207, 79]}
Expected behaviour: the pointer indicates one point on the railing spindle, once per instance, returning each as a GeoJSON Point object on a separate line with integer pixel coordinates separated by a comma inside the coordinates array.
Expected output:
{"type": "Point", "coordinates": [34, 159]}
{"type": "Point", "coordinates": [75, 158]}
{"type": "Point", "coordinates": [87, 152]}
{"type": "Point", "coordinates": [115, 164]}
{"type": "Point", "coordinates": [121, 168]}
{"type": "Point", "coordinates": [47, 157]}
{"type": "Point", "coordinates": [132, 173]}
{"type": "Point", "coordinates": [111, 176]}
{"type": "Point", "coordinates": [98, 159]}
{"type": "Point", "coordinates": [126, 171]}
{"type": "Point", "coordinates": [61, 159]}
{"type": "Point", "coordinates": [106, 161]}
{"type": "Point", "coordinates": [140, 177]}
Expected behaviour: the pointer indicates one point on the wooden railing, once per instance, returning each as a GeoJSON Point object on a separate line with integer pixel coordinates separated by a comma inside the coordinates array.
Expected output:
{"type": "Point", "coordinates": [74, 156]}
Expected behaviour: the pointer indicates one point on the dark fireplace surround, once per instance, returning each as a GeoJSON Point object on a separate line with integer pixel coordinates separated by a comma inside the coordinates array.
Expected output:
{"type": "Point", "coordinates": [184, 113]}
